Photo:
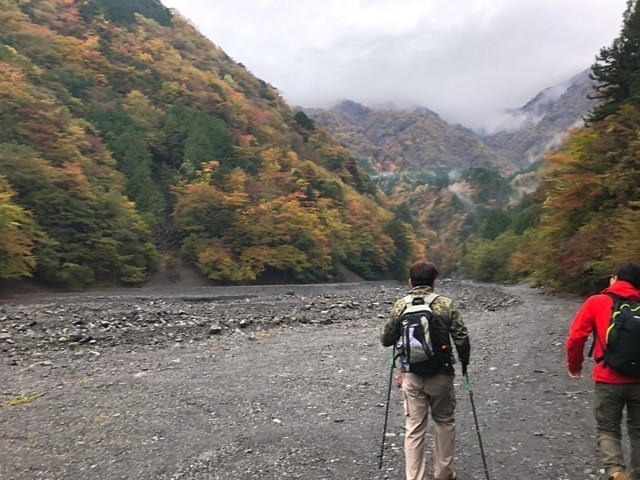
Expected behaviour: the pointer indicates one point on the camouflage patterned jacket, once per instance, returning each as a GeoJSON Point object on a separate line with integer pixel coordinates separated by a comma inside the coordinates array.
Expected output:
{"type": "Point", "coordinates": [441, 306]}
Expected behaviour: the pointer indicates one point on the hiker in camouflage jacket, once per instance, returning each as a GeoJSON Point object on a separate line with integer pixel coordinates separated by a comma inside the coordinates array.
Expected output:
{"type": "Point", "coordinates": [441, 306]}
{"type": "Point", "coordinates": [432, 393]}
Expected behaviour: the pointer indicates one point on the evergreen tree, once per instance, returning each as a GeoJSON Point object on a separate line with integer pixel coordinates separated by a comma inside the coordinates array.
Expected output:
{"type": "Point", "coordinates": [304, 121]}
{"type": "Point", "coordinates": [496, 222]}
{"type": "Point", "coordinates": [207, 139]}
{"type": "Point", "coordinates": [616, 72]}
{"type": "Point", "coordinates": [403, 252]}
{"type": "Point", "coordinates": [121, 11]}
{"type": "Point", "coordinates": [134, 161]}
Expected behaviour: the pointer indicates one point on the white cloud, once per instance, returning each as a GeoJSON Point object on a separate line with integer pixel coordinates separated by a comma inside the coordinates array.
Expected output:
{"type": "Point", "coordinates": [465, 59]}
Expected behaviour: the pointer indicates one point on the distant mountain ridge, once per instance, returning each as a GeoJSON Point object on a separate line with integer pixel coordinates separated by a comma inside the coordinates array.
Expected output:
{"type": "Point", "coordinates": [396, 140]}
{"type": "Point", "coordinates": [543, 121]}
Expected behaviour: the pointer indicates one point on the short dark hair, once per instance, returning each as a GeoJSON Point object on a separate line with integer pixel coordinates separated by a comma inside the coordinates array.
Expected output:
{"type": "Point", "coordinates": [629, 272]}
{"type": "Point", "coordinates": [423, 272]}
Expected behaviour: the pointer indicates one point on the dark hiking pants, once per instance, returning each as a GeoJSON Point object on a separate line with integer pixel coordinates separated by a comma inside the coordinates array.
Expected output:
{"type": "Point", "coordinates": [610, 401]}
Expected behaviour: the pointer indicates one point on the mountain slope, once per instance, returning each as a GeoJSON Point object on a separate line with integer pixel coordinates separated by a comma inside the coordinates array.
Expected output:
{"type": "Point", "coordinates": [528, 132]}
{"type": "Point", "coordinates": [126, 134]}
{"type": "Point", "coordinates": [447, 178]}
{"type": "Point", "coordinates": [398, 140]}
{"type": "Point", "coordinates": [393, 140]}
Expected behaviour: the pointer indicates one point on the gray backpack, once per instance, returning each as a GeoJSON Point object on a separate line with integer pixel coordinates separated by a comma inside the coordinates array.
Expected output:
{"type": "Point", "coordinates": [424, 347]}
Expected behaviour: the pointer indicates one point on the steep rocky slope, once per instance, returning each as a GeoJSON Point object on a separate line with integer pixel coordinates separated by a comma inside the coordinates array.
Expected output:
{"type": "Point", "coordinates": [540, 125]}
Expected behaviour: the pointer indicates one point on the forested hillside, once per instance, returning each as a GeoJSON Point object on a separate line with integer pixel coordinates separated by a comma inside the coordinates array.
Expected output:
{"type": "Point", "coordinates": [459, 187]}
{"type": "Point", "coordinates": [585, 217]}
{"type": "Point", "coordinates": [128, 139]}
{"type": "Point", "coordinates": [442, 179]}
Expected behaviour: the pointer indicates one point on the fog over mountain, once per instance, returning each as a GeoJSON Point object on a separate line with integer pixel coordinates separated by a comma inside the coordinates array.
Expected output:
{"type": "Point", "coordinates": [467, 60]}
{"type": "Point", "coordinates": [526, 133]}
{"type": "Point", "coordinates": [417, 139]}
{"type": "Point", "coordinates": [394, 137]}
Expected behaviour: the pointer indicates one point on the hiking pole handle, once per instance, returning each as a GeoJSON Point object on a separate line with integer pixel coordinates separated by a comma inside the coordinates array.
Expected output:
{"type": "Point", "coordinates": [386, 413]}
{"type": "Point", "coordinates": [469, 387]}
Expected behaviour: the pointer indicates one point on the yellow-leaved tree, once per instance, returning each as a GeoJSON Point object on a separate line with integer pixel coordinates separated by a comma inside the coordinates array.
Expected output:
{"type": "Point", "coordinates": [17, 236]}
{"type": "Point", "coordinates": [590, 216]}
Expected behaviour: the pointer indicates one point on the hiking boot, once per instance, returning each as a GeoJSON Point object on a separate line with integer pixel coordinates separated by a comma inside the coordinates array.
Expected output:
{"type": "Point", "coordinates": [454, 476]}
{"type": "Point", "coordinates": [619, 476]}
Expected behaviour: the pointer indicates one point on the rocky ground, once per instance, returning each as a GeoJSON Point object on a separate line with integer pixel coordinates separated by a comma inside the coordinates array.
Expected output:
{"type": "Point", "coordinates": [274, 382]}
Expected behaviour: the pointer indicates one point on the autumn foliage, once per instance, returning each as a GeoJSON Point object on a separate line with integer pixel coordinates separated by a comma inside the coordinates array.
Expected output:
{"type": "Point", "coordinates": [584, 219]}
{"type": "Point", "coordinates": [127, 136]}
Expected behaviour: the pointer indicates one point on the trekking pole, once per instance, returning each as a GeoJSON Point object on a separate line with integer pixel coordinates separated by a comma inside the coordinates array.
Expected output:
{"type": "Point", "coordinates": [386, 413]}
{"type": "Point", "coordinates": [469, 387]}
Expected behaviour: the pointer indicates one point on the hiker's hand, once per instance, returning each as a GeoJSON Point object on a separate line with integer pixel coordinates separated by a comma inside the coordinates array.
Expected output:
{"type": "Point", "coordinates": [577, 374]}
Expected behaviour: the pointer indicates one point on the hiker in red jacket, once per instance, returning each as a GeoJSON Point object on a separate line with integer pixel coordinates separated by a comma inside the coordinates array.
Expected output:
{"type": "Point", "coordinates": [613, 390]}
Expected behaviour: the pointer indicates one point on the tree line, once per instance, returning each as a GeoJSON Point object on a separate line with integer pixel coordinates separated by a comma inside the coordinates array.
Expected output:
{"type": "Point", "coordinates": [128, 139]}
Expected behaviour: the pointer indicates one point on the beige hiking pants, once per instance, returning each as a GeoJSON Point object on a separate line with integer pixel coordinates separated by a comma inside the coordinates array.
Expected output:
{"type": "Point", "coordinates": [421, 395]}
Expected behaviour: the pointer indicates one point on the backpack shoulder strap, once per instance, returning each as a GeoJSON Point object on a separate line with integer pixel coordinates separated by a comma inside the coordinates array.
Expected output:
{"type": "Point", "coordinates": [614, 297]}
{"type": "Point", "coordinates": [410, 301]}
{"type": "Point", "coordinates": [430, 298]}
{"type": "Point", "coordinates": [617, 300]}
{"type": "Point", "coordinates": [415, 304]}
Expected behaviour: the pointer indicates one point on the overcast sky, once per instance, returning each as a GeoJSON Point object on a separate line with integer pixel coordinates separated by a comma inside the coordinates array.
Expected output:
{"type": "Point", "coordinates": [465, 59]}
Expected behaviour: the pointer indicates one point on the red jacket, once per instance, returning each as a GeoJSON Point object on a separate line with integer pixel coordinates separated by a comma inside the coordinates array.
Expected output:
{"type": "Point", "coordinates": [596, 312]}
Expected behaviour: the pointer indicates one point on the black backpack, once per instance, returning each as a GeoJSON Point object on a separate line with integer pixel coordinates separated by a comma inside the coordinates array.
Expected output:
{"type": "Point", "coordinates": [622, 343]}
{"type": "Point", "coordinates": [424, 346]}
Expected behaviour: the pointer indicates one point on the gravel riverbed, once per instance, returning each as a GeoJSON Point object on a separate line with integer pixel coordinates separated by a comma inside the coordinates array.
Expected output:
{"type": "Point", "coordinates": [274, 382]}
